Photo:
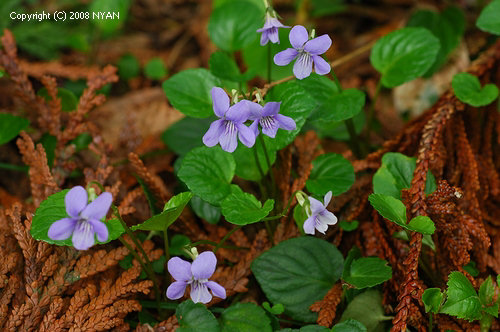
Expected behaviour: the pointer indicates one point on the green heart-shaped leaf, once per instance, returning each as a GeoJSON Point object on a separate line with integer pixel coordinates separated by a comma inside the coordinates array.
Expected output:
{"type": "Point", "coordinates": [468, 89]}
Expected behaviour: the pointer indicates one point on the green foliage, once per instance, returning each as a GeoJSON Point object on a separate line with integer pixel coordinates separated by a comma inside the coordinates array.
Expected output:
{"type": "Point", "coordinates": [337, 129]}
{"type": "Point", "coordinates": [486, 297]}
{"type": "Point", "coordinates": [276, 309]}
{"type": "Point", "coordinates": [233, 25]}
{"type": "Point", "coordinates": [155, 69]}
{"type": "Point", "coordinates": [224, 67]}
{"type": "Point", "coordinates": [128, 67]}
{"type": "Point", "coordinates": [256, 56]}
{"type": "Point", "coordinates": [242, 317]}
{"type": "Point", "coordinates": [349, 226]}
{"type": "Point", "coordinates": [349, 325]}
{"type": "Point", "coordinates": [171, 211]}
{"type": "Point", "coordinates": [189, 92]}
{"type": "Point", "coordinates": [447, 26]}
{"type": "Point", "coordinates": [195, 317]}
{"type": "Point", "coordinates": [488, 19]}
{"type": "Point", "coordinates": [49, 144]}
{"type": "Point", "coordinates": [363, 272]}
{"type": "Point", "coordinates": [307, 328]}
{"type": "Point", "coordinates": [394, 210]}
{"type": "Point", "coordinates": [246, 165]}
{"type": "Point", "coordinates": [11, 126]}
{"type": "Point", "coordinates": [242, 208]}
{"type": "Point", "coordinates": [67, 98]}
{"type": "Point", "coordinates": [322, 90]}
{"type": "Point", "coordinates": [404, 55]}
{"type": "Point", "coordinates": [367, 309]}
{"type": "Point", "coordinates": [177, 243]}
{"type": "Point", "coordinates": [468, 89]}
{"type": "Point", "coordinates": [396, 173]}
{"type": "Point", "coordinates": [433, 299]}
{"type": "Point", "coordinates": [327, 7]}
{"type": "Point", "coordinates": [472, 269]}
{"type": "Point", "coordinates": [53, 209]}
{"type": "Point", "coordinates": [109, 23]}
{"type": "Point", "coordinates": [331, 172]}
{"type": "Point", "coordinates": [186, 134]}
{"type": "Point", "coordinates": [208, 172]}
{"type": "Point", "coordinates": [344, 105]}
{"type": "Point", "coordinates": [298, 272]}
{"type": "Point", "coordinates": [205, 210]}
{"type": "Point", "coordinates": [461, 298]}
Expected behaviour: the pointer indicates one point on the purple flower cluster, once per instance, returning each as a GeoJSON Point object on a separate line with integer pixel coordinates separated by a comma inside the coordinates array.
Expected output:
{"type": "Point", "coordinates": [231, 123]}
{"type": "Point", "coordinates": [196, 275]}
{"type": "Point", "coordinates": [319, 217]}
{"type": "Point", "coordinates": [84, 219]}
{"type": "Point", "coordinates": [306, 52]}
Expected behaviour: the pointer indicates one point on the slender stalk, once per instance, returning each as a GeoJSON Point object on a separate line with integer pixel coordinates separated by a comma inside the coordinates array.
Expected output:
{"type": "Point", "coordinates": [285, 211]}
{"type": "Point", "coordinates": [212, 243]}
{"type": "Point", "coordinates": [268, 160]}
{"type": "Point", "coordinates": [269, 62]}
{"type": "Point", "coordinates": [165, 243]}
{"type": "Point", "coordinates": [225, 238]}
{"type": "Point", "coordinates": [430, 321]}
{"type": "Point", "coordinates": [17, 168]}
{"type": "Point", "coordinates": [353, 138]}
{"type": "Point", "coordinates": [262, 188]}
{"type": "Point", "coordinates": [371, 111]}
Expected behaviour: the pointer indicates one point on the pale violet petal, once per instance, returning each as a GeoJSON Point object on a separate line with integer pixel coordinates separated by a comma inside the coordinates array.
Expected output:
{"type": "Point", "coordinates": [216, 289]}
{"type": "Point", "coordinates": [100, 229]}
{"type": "Point", "coordinates": [309, 225]}
{"type": "Point", "coordinates": [75, 201]}
{"type": "Point", "coordinates": [204, 265]}
{"type": "Point", "coordinates": [298, 36]}
{"type": "Point", "coordinates": [246, 135]}
{"type": "Point", "coordinates": [254, 127]}
{"type": "Point", "coordinates": [274, 36]}
{"type": "Point", "coordinates": [211, 137]}
{"type": "Point", "coordinates": [328, 198]}
{"type": "Point", "coordinates": [321, 67]}
{"type": "Point", "coordinates": [98, 208]}
{"type": "Point", "coordinates": [220, 101]}
{"type": "Point", "coordinates": [83, 236]}
{"type": "Point", "coordinates": [264, 38]}
{"type": "Point", "coordinates": [285, 122]}
{"type": "Point", "coordinates": [239, 112]}
{"type": "Point", "coordinates": [302, 68]}
{"type": "Point", "coordinates": [200, 293]}
{"type": "Point", "coordinates": [62, 229]}
{"type": "Point", "coordinates": [176, 290]}
{"type": "Point", "coordinates": [285, 57]}
{"type": "Point", "coordinates": [270, 130]}
{"type": "Point", "coordinates": [316, 206]}
{"type": "Point", "coordinates": [229, 139]}
{"type": "Point", "coordinates": [179, 269]}
{"type": "Point", "coordinates": [320, 226]}
{"type": "Point", "coordinates": [318, 45]}
{"type": "Point", "coordinates": [271, 108]}
{"type": "Point", "coordinates": [327, 218]}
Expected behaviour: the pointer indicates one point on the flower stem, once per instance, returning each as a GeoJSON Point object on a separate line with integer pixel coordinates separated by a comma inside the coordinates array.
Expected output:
{"type": "Point", "coordinates": [430, 321]}
{"type": "Point", "coordinates": [353, 138]}
{"type": "Point", "coordinates": [165, 243]}
{"type": "Point", "coordinates": [269, 62]}
{"type": "Point", "coordinates": [371, 111]}
{"type": "Point", "coordinates": [225, 238]}
{"type": "Point", "coordinates": [146, 264]}
{"type": "Point", "coordinates": [14, 167]}
{"type": "Point", "coordinates": [268, 160]}
{"type": "Point", "coordinates": [262, 188]}
{"type": "Point", "coordinates": [212, 243]}
{"type": "Point", "coordinates": [285, 211]}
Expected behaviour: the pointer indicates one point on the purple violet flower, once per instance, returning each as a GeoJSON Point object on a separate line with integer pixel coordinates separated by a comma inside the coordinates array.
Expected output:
{"type": "Point", "coordinates": [270, 30]}
{"type": "Point", "coordinates": [196, 275]}
{"type": "Point", "coordinates": [269, 119]}
{"type": "Point", "coordinates": [319, 217]}
{"type": "Point", "coordinates": [84, 219]}
{"type": "Point", "coordinates": [306, 52]}
{"type": "Point", "coordinates": [230, 124]}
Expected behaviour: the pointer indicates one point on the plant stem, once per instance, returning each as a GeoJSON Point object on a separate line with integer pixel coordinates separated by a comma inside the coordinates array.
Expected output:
{"type": "Point", "coordinates": [269, 62]}
{"type": "Point", "coordinates": [165, 243]}
{"type": "Point", "coordinates": [212, 243]}
{"type": "Point", "coordinates": [353, 138]}
{"type": "Point", "coordinates": [268, 160]}
{"type": "Point", "coordinates": [225, 238]}
{"type": "Point", "coordinates": [285, 211]}
{"type": "Point", "coordinates": [430, 321]}
{"type": "Point", "coordinates": [371, 111]}
{"type": "Point", "coordinates": [262, 188]}
{"type": "Point", "coordinates": [14, 167]}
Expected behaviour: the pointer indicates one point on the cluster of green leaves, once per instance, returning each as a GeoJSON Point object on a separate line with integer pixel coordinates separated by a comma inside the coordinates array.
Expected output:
{"type": "Point", "coordinates": [461, 300]}
{"type": "Point", "coordinates": [129, 67]}
{"type": "Point", "coordinates": [394, 175]}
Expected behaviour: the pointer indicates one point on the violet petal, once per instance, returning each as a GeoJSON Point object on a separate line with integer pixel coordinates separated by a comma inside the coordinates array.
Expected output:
{"type": "Point", "coordinates": [285, 57]}
{"type": "Point", "coordinates": [327, 218]}
{"type": "Point", "coordinates": [200, 293]}
{"type": "Point", "coordinates": [318, 45]}
{"type": "Point", "coordinates": [303, 66]}
{"type": "Point", "coordinates": [246, 135]}
{"type": "Point", "coordinates": [75, 200]}
{"type": "Point", "coordinates": [328, 198]}
{"type": "Point", "coordinates": [176, 290]}
{"type": "Point", "coordinates": [100, 228]}
{"type": "Point", "coordinates": [211, 137]}
{"type": "Point", "coordinates": [271, 108]}
{"type": "Point", "coordinates": [228, 140]}
{"type": "Point", "coordinates": [264, 38]}
{"type": "Point", "coordinates": [298, 36]}
{"type": "Point", "coordinates": [316, 206]}
{"type": "Point", "coordinates": [273, 35]}
{"type": "Point", "coordinates": [239, 112]}
{"type": "Point", "coordinates": [216, 289]}
{"type": "Point", "coordinates": [220, 101]}
{"type": "Point", "coordinates": [98, 208]}
{"type": "Point", "coordinates": [62, 229]}
{"type": "Point", "coordinates": [321, 67]}
{"type": "Point", "coordinates": [204, 265]}
{"type": "Point", "coordinates": [285, 122]}
{"type": "Point", "coordinates": [309, 225]}
{"type": "Point", "coordinates": [179, 269]}
{"type": "Point", "coordinates": [83, 236]}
